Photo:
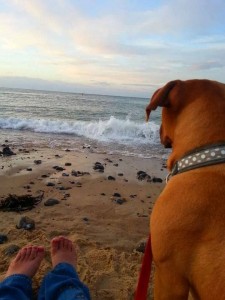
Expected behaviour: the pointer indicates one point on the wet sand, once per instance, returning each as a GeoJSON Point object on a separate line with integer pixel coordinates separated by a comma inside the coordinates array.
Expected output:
{"type": "Point", "coordinates": [106, 233]}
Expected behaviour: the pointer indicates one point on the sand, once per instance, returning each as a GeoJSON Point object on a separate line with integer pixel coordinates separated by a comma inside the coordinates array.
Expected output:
{"type": "Point", "coordinates": [106, 233]}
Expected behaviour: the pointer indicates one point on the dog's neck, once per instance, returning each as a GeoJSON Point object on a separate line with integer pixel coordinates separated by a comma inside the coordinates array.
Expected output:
{"type": "Point", "coordinates": [200, 157]}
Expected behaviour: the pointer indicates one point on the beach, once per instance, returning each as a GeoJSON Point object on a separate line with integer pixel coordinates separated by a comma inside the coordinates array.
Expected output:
{"type": "Point", "coordinates": [106, 214]}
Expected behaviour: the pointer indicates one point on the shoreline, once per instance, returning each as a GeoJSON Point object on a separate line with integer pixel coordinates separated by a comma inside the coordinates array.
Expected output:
{"type": "Point", "coordinates": [107, 231]}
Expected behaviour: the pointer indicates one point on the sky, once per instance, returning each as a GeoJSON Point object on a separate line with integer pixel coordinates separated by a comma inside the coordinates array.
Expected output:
{"type": "Point", "coordinates": [114, 47]}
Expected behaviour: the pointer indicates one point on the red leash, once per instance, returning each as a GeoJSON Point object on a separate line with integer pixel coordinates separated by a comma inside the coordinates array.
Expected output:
{"type": "Point", "coordinates": [142, 287]}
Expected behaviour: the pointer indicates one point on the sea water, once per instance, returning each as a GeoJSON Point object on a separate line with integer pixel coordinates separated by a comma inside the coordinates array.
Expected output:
{"type": "Point", "coordinates": [102, 123]}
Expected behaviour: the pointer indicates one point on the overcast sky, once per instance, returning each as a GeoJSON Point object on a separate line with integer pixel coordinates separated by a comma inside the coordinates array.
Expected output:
{"type": "Point", "coordinates": [119, 47]}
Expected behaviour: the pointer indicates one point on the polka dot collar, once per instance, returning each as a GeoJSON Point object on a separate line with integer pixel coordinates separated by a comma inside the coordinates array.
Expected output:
{"type": "Point", "coordinates": [211, 155]}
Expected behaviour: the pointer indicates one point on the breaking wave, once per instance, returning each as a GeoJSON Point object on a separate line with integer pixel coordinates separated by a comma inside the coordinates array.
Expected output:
{"type": "Point", "coordinates": [111, 130]}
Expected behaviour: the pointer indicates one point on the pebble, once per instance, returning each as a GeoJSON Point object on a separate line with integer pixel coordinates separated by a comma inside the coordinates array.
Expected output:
{"type": "Point", "coordinates": [120, 174]}
{"type": "Point", "coordinates": [50, 184]}
{"type": "Point", "coordinates": [156, 179]}
{"type": "Point", "coordinates": [37, 161]}
{"type": "Point", "coordinates": [141, 247]}
{"type": "Point", "coordinates": [99, 167]}
{"type": "Point", "coordinates": [141, 175]}
{"type": "Point", "coordinates": [57, 168]}
{"type": "Point", "coordinates": [111, 178]}
{"type": "Point", "coordinates": [68, 164]}
{"type": "Point", "coordinates": [26, 223]}
{"type": "Point", "coordinates": [51, 202]}
{"type": "Point", "coordinates": [44, 176]}
{"type": "Point", "coordinates": [116, 195]}
{"type": "Point", "coordinates": [62, 188]}
{"type": "Point", "coordinates": [29, 169]}
{"type": "Point", "coordinates": [7, 151]}
{"type": "Point", "coordinates": [85, 219]}
{"type": "Point", "coordinates": [119, 201]}
{"type": "Point", "coordinates": [11, 250]}
{"type": "Point", "coordinates": [65, 174]}
{"type": "Point", "coordinates": [3, 238]}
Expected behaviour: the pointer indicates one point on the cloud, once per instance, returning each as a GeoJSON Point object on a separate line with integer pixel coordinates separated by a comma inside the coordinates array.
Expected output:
{"type": "Point", "coordinates": [183, 18]}
{"type": "Point", "coordinates": [208, 65]}
{"type": "Point", "coordinates": [112, 43]}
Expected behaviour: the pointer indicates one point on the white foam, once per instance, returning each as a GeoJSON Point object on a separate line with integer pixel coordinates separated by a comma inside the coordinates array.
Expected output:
{"type": "Point", "coordinates": [111, 130]}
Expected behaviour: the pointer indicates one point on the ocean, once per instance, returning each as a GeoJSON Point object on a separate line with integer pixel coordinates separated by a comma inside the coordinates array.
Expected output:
{"type": "Point", "coordinates": [101, 123]}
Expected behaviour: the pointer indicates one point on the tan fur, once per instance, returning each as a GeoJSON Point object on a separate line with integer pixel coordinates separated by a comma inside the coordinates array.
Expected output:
{"type": "Point", "coordinates": [188, 220]}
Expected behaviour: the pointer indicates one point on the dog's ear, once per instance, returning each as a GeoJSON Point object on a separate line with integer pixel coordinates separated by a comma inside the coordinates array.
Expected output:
{"type": "Point", "coordinates": [160, 98]}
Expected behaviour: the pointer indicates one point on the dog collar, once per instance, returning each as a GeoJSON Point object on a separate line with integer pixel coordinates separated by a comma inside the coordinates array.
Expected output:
{"type": "Point", "coordinates": [201, 157]}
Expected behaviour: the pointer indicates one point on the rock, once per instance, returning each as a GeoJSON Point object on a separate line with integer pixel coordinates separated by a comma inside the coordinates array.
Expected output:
{"type": "Point", "coordinates": [65, 174]}
{"type": "Point", "coordinates": [67, 150]}
{"type": "Point", "coordinates": [44, 176]}
{"type": "Point", "coordinates": [3, 238]}
{"type": "Point", "coordinates": [156, 179]}
{"type": "Point", "coordinates": [62, 188]}
{"type": "Point", "coordinates": [116, 195]}
{"type": "Point", "coordinates": [26, 223]}
{"type": "Point", "coordinates": [11, 250]}
{"type": "Point", "coordinates": [108, 160]}
{"type": "Point", "coordinates": [79, 173]}
{"type": "Point", "coordinates": [102, 194]}
{"type": "Point", "coordinates": [37, 161]}
{"type": "Point", "coordinates": [141, 175]}
{"type": "Point", "coordinates": [50, 184]}
{"type": "Point", "coordinates": [29, 169]}
{"type": "Point", "coordinates": [141, 246]}
{"type": "Point", "coordinates": [120, 174]}
{"type": "Point", "coordinates": [111, 178]}
{"type": "Point", "coordinates": [7, 151]}
{"type": "Point", "coordinates": [99, 167]}
{"type": "Point", "coordinates": [116, 165]}
{"type": "Point", "coordinates": [74, 173]}
{"type": "Point", "coordinates": [85, 219]}
{"type": "Point", "coordinates": [57, 168]}
{"type": "Point", "coordinates": [119, 201]}
{"type": "Point", "coordinates": [133, 196]}
{"type": "Point", "coordinates": [68, 164]}
{"type": "Point", "coordinates": [51, 202]}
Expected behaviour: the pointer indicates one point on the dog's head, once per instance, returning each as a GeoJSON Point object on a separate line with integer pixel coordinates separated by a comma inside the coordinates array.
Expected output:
{"type": "Point", "coordinates": [188, 112]}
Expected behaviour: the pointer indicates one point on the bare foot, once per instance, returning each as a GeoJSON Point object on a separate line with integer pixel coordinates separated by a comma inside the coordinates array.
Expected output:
{"type": "Point", "coordinates": [27, 261]}
{"type": "Point", "coordinates": [62, 250]}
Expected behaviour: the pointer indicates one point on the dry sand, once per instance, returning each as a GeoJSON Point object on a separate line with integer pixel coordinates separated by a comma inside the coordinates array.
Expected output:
{"type": "Point", "coordinates": [106, 233]}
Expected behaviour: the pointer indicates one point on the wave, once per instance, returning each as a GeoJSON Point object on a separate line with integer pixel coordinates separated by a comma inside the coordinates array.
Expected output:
{"type": "Point", "coordinates": [111, 130]}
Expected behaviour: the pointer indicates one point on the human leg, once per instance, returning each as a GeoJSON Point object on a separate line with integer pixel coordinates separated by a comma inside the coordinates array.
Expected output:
{"type": "Point", "coordinates": [63, 283]}
{"type": "Point", "coordinates": [17, 283]}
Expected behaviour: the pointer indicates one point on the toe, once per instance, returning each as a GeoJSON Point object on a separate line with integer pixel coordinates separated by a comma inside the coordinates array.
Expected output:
{"type": "Point", "coordinates": [33, 252]}
{"type": "Point", "coordinates": [19, 255]}
{"type": "Point", "coordinates": [61, 242]}
{"type": "Point", "coordinates": [28, 252]}
{"type": "Point", "coordinates": [55, 244]}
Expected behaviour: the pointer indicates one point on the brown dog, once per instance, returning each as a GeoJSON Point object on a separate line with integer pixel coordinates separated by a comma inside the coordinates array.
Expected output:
{"type": "Point", "coordinates": [188, 220]}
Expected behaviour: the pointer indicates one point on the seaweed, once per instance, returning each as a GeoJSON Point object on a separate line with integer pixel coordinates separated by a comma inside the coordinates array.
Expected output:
{"type": "Point", "coordinates": [20, 203]}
